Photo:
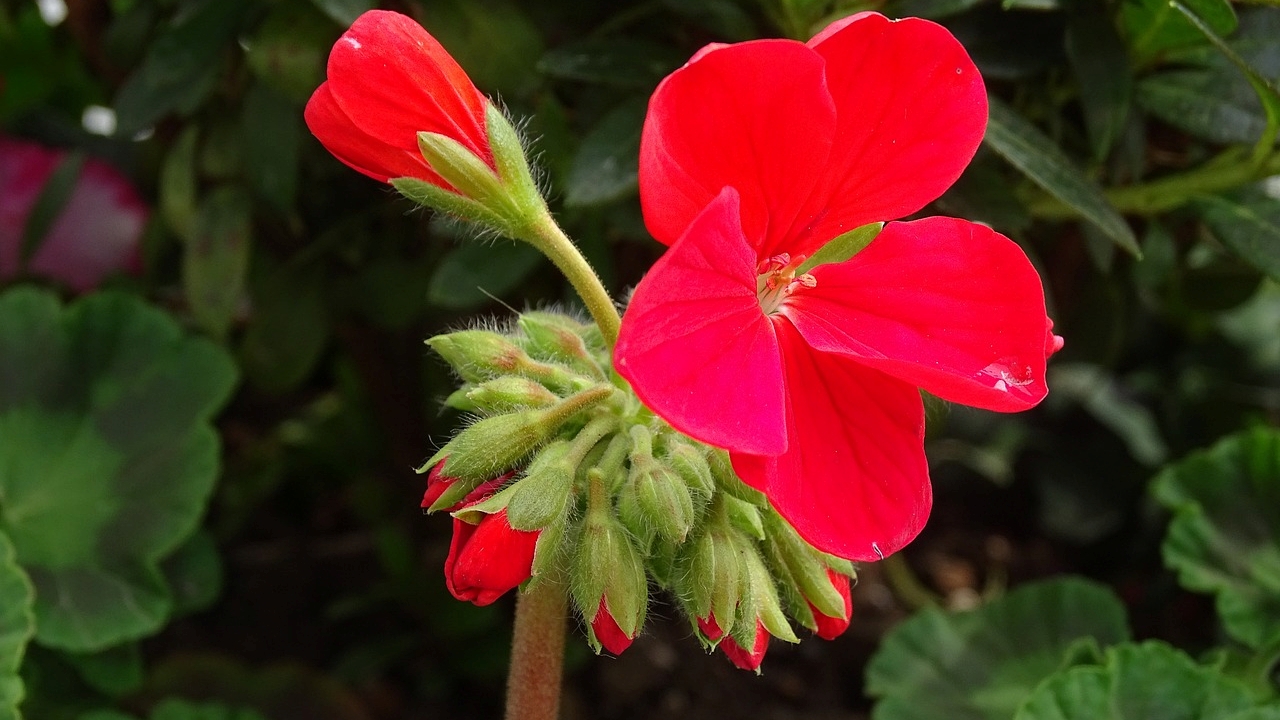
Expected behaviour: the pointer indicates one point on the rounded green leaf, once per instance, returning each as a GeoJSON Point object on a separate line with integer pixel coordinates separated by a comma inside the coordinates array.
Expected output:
{"type": "Point", "coordinates": [107, 457]}
{"type": "Point", "coordinates": [1225, 534]}
{"type": "Point", "coordinates": [982, 664]}
{"type": "Point", "coordinates": [1139, 682]}
{"type": "Point", "coordinates": [17, 624]}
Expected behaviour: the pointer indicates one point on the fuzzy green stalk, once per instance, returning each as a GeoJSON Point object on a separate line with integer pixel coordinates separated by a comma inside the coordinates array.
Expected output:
{"type": "Point", "coordinates": [537, 653]}
{"type": "Point", "coordinates": [545, 235]}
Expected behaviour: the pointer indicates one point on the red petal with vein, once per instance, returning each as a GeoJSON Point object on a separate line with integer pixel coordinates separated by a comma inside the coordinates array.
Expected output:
{"type": "Point", "coordinates": [755, 116]}
{"type": "Point", "coordinates": [854, 481]}
{"type": "Point", "coordinates": [393, 80]}
{"type": "Point", "coordinates": [357, 149]}
{"type": "Point", "coordinates": [696, 346]}
{"type": "Point", "coordinates": [911, 111]}
{"type": "Point", "coordinates": [944, 304]}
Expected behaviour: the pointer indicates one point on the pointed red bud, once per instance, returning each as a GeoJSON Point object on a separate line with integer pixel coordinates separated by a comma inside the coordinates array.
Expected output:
{"type": "Point", "coordinates": [437, 483]}
{"type": "Point", "coordinates": [606, 630]}
{"type": "Point", "coordinates": [744, 659]}
{"type": "Point", "coordinates": [489, 558]}
{"type": "Point", "coordinates": [710, 628]}
{"type": "Point", "coordinates": [829, 628]}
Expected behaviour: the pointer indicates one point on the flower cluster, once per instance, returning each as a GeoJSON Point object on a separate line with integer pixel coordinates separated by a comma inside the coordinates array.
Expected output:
{"type": "Point", "coordinates": [564, 476]}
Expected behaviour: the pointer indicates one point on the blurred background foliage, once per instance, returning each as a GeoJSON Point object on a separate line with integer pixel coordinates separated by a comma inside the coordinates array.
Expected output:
{"type": "Point", "coordinates": [1131, 152]}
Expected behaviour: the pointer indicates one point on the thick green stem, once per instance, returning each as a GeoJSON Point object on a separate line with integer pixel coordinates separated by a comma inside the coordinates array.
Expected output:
{"type": "Point", "coordinates": [537, 654]}
{"type": "Point", "coordinates": [548, 238]}
{"type": "Point", "coordinates": [1170, 192]}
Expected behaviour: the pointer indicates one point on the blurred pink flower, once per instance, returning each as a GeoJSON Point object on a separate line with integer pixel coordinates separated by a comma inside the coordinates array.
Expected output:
{"type": "Point", "coordinates": [96, 232]}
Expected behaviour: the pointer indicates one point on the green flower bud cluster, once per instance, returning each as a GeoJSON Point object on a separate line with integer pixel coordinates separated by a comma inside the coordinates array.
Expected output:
{"type": "Point", "coordinates": [621, 501]}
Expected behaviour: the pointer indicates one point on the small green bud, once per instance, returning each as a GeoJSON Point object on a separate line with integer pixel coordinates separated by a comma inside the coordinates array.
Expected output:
{"type": "Point", "coordinates": [544, 493]}
{"type": "Point", "coordinates": [691, 465]}
{"type": "Point", "coordinates": [760, 600]}
{"type": "Point", "coordinates": [458, 400]}
{"type": "Point", "coordinates": [550, 339]}
{"type": "Point", "coordinates": [479, 355]}
{"type": "Point", "coordinates": [728, 481]}
{"type": "Point", "coordinates": [495, 444]}
{"type": "Point", "coordinates": [654, 499]}
{"type": "Point", "coordinates": [608, 564]}
{"type": "Point", "coordinates": [507, 393]}
{"type": "Point", "coordinates": [745, 517]}
{"type": "Point", "coordinates": [711, 576]}
{"type": "Point", "coordinates": [805, 566]}
{"type": "Point", "coordinates": [551, 552]}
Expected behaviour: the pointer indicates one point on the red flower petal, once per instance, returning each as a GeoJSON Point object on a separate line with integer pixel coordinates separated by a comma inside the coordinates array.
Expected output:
{"type": "Point", "coordinates": [911, 111]}
{"type": "Point", "coordinates": [830, 628]}
{"type": "Point", "coordinates": [608, 632]}
{"type": "Point", "coordinates": [487, 560]}
{"type": "Point", "coordinates": [944, 304]}
{"type": "Point", "coordinates": [392, 79]}
{"type": "Point", "coordinates": [696, 346]}
{"type": "Point", "coordinates": [359, 150]}
{"type": "Point", "coordinates": [854, 481]}
{"type": "Point", "coordinates": [755, 116]}
{"type": "Point", "coordinates": [743, 658]}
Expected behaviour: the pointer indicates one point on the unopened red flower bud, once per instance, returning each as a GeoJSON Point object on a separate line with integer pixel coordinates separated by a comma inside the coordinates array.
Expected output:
{"type": "Point", "coordinates": [829, 627]}
{"type": "Point", "coordinates": [606, 631]}
{"type": "Point", "coordinates": [747, 659]}
{"type": "Point", "coordinates": [437, 483]}
{"type": "Point", "coordinates": [488, 559]}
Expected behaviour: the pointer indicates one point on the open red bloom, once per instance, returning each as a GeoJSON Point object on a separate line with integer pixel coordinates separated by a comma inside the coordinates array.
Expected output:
{"type": "Point", "coordinates": [490, 558]}
{"type": "Point", "coordinates": [388, 80]}
{"type": "Point", "coordinates": [753, 157]}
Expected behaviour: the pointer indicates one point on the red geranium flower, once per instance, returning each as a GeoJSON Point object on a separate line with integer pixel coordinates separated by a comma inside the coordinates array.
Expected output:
{"type": "Point", "coordinates": [489, 558]}
{"type": "Point", "coordinates": [754, 156]}
{"type": "Point", "coordinates": [388, 80]}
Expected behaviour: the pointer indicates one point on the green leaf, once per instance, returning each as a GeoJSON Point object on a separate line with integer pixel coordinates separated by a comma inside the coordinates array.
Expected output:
{"type": "Point", "coordinates": [288, 50]}
{"type": "Point", "coordinates": [344, 12]}
{"type": "Point", "coordinates": [17, 625]}
{"type": "Point", "coordinates": [1111, 404]}
{"type": "Point", "coordinates": [471, 273]}
{"type": "Point", "coordinates": [217, 259]}
{"type": "Point", "coordinates": [981, 665]}
{"type": "Point", "coordinates": [181, 67]}
{"type": "Point", "coordinates": [1155, 27]}
{"type": "Point", "coordinates": [1248, 223]}
{"type": "Point", "coordinates": [1101, 67]}
{"type": "Point", "coordinates": [1026, 148]}
{"type": "Point", "coordinates": [1225, 533]}
{"type": "Point", "coordinates": [115, 671]}
{"type": "Point", "coordinates": [178, 184]}
{"type": "Point", "coordinates": [1205, 103]}
{"type": "Point", "coordinates": [271, 130]}
{"type": "Point", "coordinates": [288, 325]}
{"type": "Point", "coordinates": [49, 204]}
{"type": "Point", "coordinates": [608, 161]}
{"type": "Point", "coordinates": [194, 574]}
{"type": "Point", "coordinates": [611, 62]}
{"type": "Point", "coordinates": [1138, 682]}
{"type": "Point", "coordinates": [107, 457]}
{"type": "Point", "coordinates": [176, 709]}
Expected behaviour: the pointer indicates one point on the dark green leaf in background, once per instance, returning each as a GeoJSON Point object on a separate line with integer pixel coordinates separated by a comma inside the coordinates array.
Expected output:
{"type": "Point", "coordinates": [344, 12]}
{"type": "Point", "coordinates": [471, 273]}
{"type": "Point", "coordinates": [107, 458]}
{"type": "Point", "coordinates": [1102, 73]}
{"type": "Point", "coordinates": [606, 166]}
{"type": "Point", "coordinates": [1153, 27]}
{"type": "Point", "coordinates": [289, 49]}
{"type": "Point", "coordinates": [181, 67]}
{"type": "Point", "coordinates": [1026, 148]}
{"type": "Point", "coordinates": [1225, 533]}
{"type": "Point", "coordinates": [981, 665]}
{"type": "Point", "coordinates": [1211, 104]}
{"type": "Point", "coordinates": [493, 39]}
{"type": "Point", "coordinates": [115, 671]}
{"type": "Point", "coordinates": [287, 328]}
{"type": "Point", "coordinates": [217, 259]}
{"type": "Point", "coordinates": [1141, 682]}
{"type": "Point", "coordinates": [272, 130]}
{"type": "Point", "coordinates": [613, 61]}
{"type": "Point", "coordinates": [1248, 223]}
{"type": "Point", "coordinates": [178, 185]}
{"type": "Point", "coordinates": [17, 625]}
